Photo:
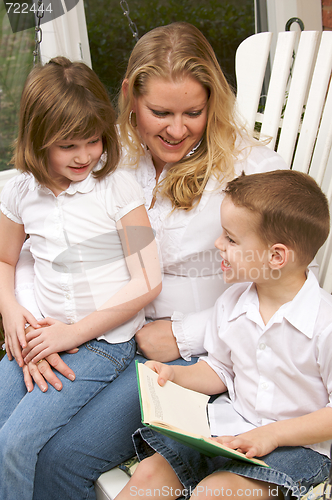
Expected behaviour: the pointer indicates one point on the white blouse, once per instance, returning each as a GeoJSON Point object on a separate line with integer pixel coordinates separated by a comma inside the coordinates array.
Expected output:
{"type": "Point", "coordinates": [192, 279]}
{"type": "Point", "coordinates": [78, 258]}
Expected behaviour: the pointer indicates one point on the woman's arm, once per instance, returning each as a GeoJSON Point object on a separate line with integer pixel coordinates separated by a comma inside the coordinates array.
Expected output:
{"type": "Point", "coordinates": [166, 340]}
{"type": "Point", "coordinates": [309, 429]}
{"type": "Point", "coordinates": [14, 316]}
{"type": "Point", "coordinates": [145, 284]}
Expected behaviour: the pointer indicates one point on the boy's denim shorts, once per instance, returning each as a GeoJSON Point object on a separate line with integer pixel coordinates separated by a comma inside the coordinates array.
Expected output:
{"type": "Point", "coordinates": [296, 470]}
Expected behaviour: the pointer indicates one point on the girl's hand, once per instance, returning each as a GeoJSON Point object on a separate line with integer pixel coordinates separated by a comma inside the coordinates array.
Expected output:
{"type": "Point", "coordinates": [255, 443]}
{"type": "Point", "coordinates": [14, 320]}
{"type": "Point", "coordinates": [53, 337]}
{"type": "Point", "coordinates": [165, 372]}
{"type": "Point", "coordinates": [42, 372]}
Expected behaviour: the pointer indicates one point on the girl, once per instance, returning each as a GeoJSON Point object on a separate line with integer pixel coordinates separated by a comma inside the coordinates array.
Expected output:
{"type": "Point", "coordinates": [96, 261]}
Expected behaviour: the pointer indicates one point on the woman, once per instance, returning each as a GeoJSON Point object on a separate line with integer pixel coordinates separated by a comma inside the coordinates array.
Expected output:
{"type": "Point", "coordinates": [181, 141]}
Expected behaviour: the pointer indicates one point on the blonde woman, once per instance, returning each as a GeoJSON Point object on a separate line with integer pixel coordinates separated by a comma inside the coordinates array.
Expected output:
{"type": "Point", "coordinates": [181, 140]}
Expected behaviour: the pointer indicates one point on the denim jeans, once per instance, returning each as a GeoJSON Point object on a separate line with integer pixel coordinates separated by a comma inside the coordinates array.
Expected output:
{"type": "Point", "coordinates": [29, 420]}
{"type": "Point", "coordinates": [96, 439]}
{"type": "Point", "coordinates": [294, 469]}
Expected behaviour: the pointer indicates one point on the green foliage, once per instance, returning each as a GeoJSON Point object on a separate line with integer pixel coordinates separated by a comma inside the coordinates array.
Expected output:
{"type": "Point", "coordinates": [15, 63]}
{"type": "Point", "coordinates": [225, 23]}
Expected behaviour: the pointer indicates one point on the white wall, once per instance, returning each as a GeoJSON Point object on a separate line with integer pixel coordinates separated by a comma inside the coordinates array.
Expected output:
{"type": "Point", "coordinates": [280, 11]}
{"type": "Point", "coordinates": [66, 36]}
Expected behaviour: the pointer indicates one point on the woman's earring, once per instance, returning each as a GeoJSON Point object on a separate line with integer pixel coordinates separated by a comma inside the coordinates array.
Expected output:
{"type": "Point", "coordinates": [132, 119]}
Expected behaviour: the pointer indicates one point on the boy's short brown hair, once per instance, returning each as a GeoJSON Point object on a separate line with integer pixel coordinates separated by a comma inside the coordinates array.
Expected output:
{"type": "Point", "coordinates": [292, 209]}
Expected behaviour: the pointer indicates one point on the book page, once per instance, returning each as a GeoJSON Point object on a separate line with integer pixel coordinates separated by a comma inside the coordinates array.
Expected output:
{"type": "Point", "coordinates": [172, 404]}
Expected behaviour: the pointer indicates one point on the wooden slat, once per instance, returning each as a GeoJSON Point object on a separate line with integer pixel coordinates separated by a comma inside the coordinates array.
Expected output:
{"type": "Point", "coordinates": [277, 87]}
{"type": "Point", "coordinates": [297, 93]}
{"type": "Point", "coordinates": [250, 64]}
{"type": "Point", "coordinates": [314, 106]}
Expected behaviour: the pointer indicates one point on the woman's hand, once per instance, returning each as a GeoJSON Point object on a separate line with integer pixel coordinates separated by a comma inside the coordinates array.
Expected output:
{"type": "Point", "coordinates": [42, 372]}
{"type": "Point", "coordinates": [156, 341]}
{"type": "Point", "coordinates": [255, 443]}
{"type": "Point", "coordinates": [52, 337]}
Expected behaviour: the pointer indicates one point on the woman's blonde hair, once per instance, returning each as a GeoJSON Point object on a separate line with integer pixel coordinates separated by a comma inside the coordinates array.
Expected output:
{"type": "Point", "coordinates": [173, 52]}
{"type": "Point", "coordinates": [63, 100]}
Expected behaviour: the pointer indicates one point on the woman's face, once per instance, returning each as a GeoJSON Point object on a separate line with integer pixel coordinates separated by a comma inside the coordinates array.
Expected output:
{"type": "Point", "coordinates": [171, 118]}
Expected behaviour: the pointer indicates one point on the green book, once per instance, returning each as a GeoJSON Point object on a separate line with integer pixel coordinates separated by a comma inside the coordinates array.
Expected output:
{"type": "Point", "coordinates": [171, 409]}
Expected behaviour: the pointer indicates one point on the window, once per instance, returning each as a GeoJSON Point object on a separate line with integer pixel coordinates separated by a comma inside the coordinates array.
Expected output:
{"type": "Point", "coordinates": [225, 23]}
{"type": "Point", "coordinates": [16, 60]}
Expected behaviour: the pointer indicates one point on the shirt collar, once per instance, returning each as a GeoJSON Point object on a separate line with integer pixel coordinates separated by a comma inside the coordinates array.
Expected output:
{"type": "Point", "coordinates": [301, 312]}
{"type": "Point", "coordinates": [84, 186]}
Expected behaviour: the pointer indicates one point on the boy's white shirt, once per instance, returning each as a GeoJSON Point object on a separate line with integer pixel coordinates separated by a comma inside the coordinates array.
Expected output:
{"type": "Point", "coordinates": [272, 372]}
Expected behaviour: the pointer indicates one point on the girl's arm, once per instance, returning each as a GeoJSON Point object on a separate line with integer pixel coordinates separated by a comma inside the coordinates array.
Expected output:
{"type": "Point", "coordinates": [14, 316]}
{"type": "Point", "coordinates": [312, 428]}
{"type": "Point", "coordinates": [144, 286]}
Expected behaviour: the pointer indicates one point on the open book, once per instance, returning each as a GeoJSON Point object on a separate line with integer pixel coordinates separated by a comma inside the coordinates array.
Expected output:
{"type": "Point", "coordinates": [171, 409]}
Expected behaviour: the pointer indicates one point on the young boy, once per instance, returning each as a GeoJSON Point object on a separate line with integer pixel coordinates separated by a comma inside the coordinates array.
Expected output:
{"type": "Point", "coordinates": [268, 345]}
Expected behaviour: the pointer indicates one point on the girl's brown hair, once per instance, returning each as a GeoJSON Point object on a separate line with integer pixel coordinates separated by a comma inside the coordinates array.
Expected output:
{"type": "Point", "coordinates": [63, 100]}
{"type": "Point", "coordinates": [174, 52]}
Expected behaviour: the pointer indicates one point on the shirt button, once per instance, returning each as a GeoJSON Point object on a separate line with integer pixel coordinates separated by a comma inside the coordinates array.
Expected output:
{"type": "Point", "coordinates": [262, 346]}
{"type": "Point", "coordinates": [265, 386]}
{"type": "Point", "coordinates": [68, 297]}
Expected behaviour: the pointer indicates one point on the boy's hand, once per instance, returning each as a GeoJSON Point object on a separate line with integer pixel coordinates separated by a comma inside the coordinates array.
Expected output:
{"type": "Point", "coordinates": [165, 372]}
{"type": "Point", "coordinates": [14, 320]}
{"type": "Point", "coordinates": [255, 443]}
{"type": "Point", "coordinates": [42, 372]}
{"type": "Point", "coordinates": [52, 337]}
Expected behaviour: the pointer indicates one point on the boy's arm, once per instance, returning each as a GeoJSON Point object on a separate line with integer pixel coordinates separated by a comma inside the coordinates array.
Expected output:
{"type": "Point", "coordinates": [312, 428]}
{"type": "Point", "coordinates": [199, 377]}
{"type": "Point", "coordinates": [14, 316]}
{"type": "Point", "coordinates": [145, 284]}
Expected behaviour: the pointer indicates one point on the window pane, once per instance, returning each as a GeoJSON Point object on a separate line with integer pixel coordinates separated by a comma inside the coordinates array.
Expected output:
{"type": "Point", "coordinates": [16, 61]}
{"type": "Point", "coordinates": [225, 23]}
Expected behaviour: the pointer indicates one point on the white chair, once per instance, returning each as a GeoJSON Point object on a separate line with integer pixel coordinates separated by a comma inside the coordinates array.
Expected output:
{"type": "Point", "coordinates": [298, 109]}
{"type": "Point", "coordinates": [301, 132]}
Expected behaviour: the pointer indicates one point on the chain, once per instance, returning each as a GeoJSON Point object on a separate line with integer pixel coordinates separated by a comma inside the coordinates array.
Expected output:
{"type": "Point", "coordinates": [38, 32]}
{"type": "Point", "coordinates": [132, 26]}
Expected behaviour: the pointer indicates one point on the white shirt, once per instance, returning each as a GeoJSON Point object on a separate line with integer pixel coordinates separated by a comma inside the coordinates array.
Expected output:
{"type": "Point", "coordinates": [192, 279]}
{"type": "Point", "coordinates": [78, 257]}
{"type": "Point", "coordinates": [272, 372]}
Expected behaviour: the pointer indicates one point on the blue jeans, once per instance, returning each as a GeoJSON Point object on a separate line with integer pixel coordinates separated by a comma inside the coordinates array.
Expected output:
{"type": "Point", "coordinates": [294, 469]}
{"type": "Point", "coordinates": [96, 439]}
{"type": "Point", "coordinates": [29, 420]}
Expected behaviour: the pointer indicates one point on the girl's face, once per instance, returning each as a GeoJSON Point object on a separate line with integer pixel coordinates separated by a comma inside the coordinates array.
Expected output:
{"type": "Point", "coordinates": [72, 160]}
{"type": "Point", "coordinates": [171, 118]}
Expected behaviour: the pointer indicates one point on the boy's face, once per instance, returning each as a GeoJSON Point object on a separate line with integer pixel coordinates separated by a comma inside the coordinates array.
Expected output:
{"type": "Point", "coordinates": [245, 256]}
